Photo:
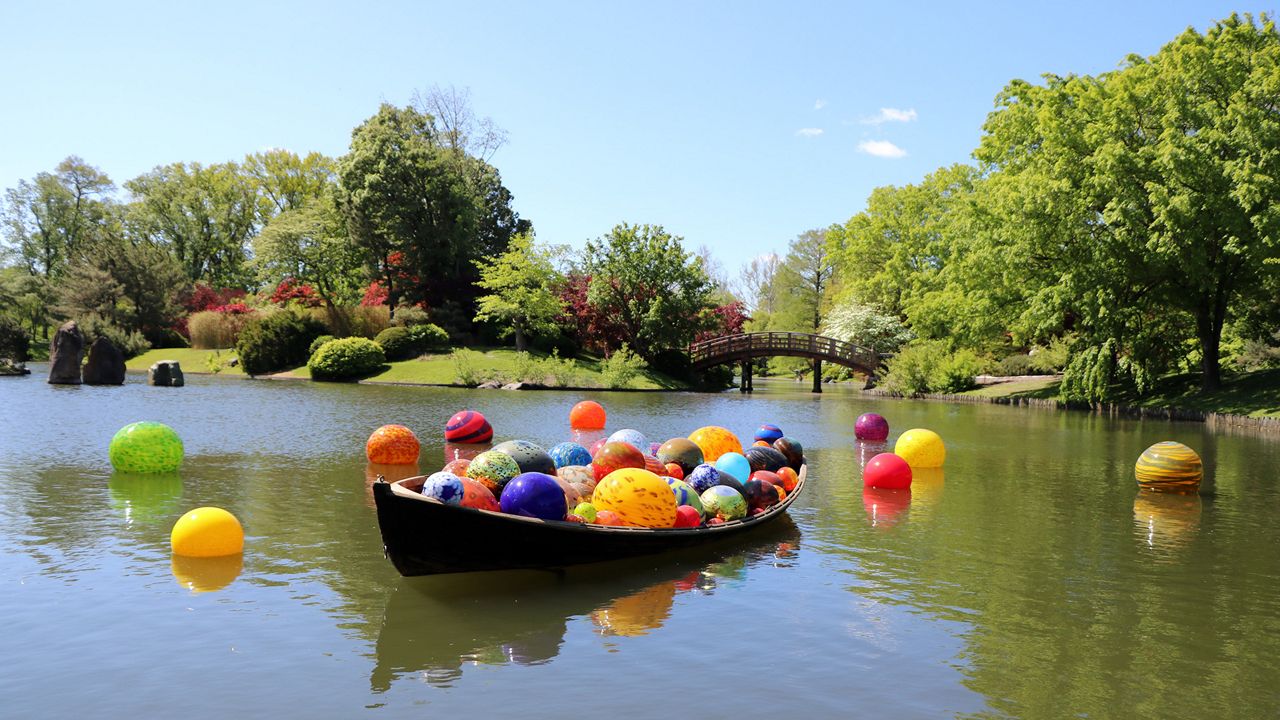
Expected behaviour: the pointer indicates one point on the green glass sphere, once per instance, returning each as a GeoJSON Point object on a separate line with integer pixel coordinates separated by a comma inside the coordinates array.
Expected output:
{"type": "Point", "coordinates": [146, 447]}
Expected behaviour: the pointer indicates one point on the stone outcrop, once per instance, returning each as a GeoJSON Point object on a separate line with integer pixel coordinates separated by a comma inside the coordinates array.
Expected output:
{"type": "Point", "coordinates": [166, 373]}
{"type": "Point", "coordinates": [65, 352]}
{"type": "Point", "coordinates": [13, 367]}
{"type": "Point", "coordinates": [105, 365]}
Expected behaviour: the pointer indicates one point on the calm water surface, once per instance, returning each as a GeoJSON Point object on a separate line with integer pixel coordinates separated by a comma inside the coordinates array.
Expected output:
{"type": "Point", "coordinates": [1028, 580]}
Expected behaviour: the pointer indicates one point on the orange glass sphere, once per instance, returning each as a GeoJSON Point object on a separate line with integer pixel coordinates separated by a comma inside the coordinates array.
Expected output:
{"type": "Point", "coordinates": [715, 441]}
{"type": "Point", "coordinates": [587, 415]}
{"type": "Point", "coordinates": [392, 445]}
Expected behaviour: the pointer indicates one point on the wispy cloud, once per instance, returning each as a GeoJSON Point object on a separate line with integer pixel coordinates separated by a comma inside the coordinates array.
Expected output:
{"type": "Point", "coordinates": [819, 104]}
{"type": "Point", "coordinates": [891, 115]}
{"type": "Point", "coordinates": [809, 132]}
{"type": "Point", "coordinates": [881, 148]}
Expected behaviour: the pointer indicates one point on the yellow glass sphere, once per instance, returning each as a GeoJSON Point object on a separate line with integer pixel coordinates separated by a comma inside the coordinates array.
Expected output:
{"type": "Point", "coordinates": [638, 497]}
{"type": "Point", "coordinates": [715, 441]}
{"type": "Point", "coordinates": [921, 448]}
{"type": "Point", "coordinates": [1169, 467]}
{"type": "Point", "coordinates": [207, 532]}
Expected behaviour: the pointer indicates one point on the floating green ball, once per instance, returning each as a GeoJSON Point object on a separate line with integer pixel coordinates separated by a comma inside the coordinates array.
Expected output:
{"type": "Point", "coordinates": [146, 447]}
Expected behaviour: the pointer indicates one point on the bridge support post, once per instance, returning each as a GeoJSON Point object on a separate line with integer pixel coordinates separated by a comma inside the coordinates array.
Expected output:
{"type": "Point", "coordinates": [817, 375]}
{"type": "Point", "coordinates": [748, 384]}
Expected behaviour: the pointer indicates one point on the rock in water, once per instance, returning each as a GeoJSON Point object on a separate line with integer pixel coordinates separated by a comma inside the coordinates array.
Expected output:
{"type": "Point", "coordinates": [12, 367]}
{"type": "Point", "coordinates": [65, 352]}
{"type": "Point", "coordinates": [105, 365]}
{"type": "Point", "coordinates": [166, 373]}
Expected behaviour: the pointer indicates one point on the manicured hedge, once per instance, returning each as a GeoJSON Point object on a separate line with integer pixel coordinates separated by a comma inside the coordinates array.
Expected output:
{"type": "Point", "coordinates": [346, 358]}
{"type": "Point", "coordinates": [278, 341]}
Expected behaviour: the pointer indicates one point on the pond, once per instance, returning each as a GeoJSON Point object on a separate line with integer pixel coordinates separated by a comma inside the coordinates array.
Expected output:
{"type": "Point", "coordinates": [1029, 579]}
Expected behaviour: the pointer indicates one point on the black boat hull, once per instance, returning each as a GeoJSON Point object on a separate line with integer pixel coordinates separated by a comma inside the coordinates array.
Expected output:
{"type": "Point", "coordinates": [422, 536]}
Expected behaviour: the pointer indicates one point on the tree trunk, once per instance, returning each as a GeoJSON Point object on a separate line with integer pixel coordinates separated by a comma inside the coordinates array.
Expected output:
{"type": "Point", "coordinates": [522, 344]}
{"type": "Point", "coordinates": [1209, 317]}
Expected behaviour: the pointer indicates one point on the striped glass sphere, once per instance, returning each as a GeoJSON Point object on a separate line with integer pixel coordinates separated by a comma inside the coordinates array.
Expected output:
{"type": "Point", "coordinates": [1169, 467]}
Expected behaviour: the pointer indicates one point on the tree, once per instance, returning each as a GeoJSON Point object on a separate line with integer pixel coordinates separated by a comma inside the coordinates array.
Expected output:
{"type": "Point", "coordinates": [204, 214]}
{"type": "Point", "coordinates": [402, 192]}
{"type": "Point", "coordinates": [51, 220]}
{"type": "Point", "coordinates": [755, 283]}
{"type": "Point", "coordinates": [309, 244]}
{"type": "Point", "coordinates": [522, 284]}
{"type": "Point", "coordinates": [455, 124]}
{"type": "Point", "coordinates": [642, 275]}
{"type": "Point", "coordinates": [1148, 193]}
{"type": "Point", "coordinates": [286, 181]}
{"type": "Point", "coordinates": [866, 326]}
{"type": "Point", "coordinates": [806, 274]}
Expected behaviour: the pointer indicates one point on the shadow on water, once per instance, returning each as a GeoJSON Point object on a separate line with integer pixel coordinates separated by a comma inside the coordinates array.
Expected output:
{"type": "Point", "coordinates": [433, 627]}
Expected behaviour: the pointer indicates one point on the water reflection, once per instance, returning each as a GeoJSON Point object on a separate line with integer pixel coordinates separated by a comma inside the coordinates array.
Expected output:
{"type": "Point", "coordinates": [201, 575]}
{"type": "Point", "coordinates": [867, 450]}
{"type": "Point", "coordinates": [885, 508]}
{"type": "Point", "coordinates": [144, 498]}
{"type": "Point", "coordinates": [433, 627]}
{"type": "Point", "coordinates": [1166, 522]}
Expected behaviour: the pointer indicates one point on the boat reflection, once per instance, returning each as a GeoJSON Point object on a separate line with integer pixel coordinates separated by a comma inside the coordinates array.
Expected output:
{"type": "Point", "coordinates": [433, 627]}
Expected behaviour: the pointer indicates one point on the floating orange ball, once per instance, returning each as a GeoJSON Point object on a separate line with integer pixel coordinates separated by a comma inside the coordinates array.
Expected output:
{"type": "Point", "coordinates": [790, 478]}
{"type": "Point", "coordinates": [715, 441]}
{"type": "Point", "coordinates": [1169, 467]}
{"type": "Point", "coordinates": [392, 445]}
{"type": "Point", "coordinates": [587, 415]}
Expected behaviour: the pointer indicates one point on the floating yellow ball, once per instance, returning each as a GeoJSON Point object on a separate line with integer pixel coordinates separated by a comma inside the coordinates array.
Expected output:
{"type": "Point", "coordinates": [146, 447]}
{"type": "Point", "coordinates": [1169, 467]}
{"type": "Point", "coordinates": [921, 448]}
{"type": "Point", "coordinates": [207, 532]}
{"type": "Point", "coordinates": [638, 497]}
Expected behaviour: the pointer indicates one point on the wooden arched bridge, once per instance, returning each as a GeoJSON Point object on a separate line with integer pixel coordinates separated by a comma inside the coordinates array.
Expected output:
{"type": "Point", "coordinates": [744, 347]}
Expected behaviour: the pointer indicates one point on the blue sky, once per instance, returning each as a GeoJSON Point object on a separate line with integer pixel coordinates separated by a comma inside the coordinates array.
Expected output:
{"type": "Point", "coordinates": [737, 125]}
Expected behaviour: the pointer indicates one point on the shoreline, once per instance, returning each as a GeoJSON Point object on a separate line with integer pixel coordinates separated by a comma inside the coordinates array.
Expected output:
{"type": "Point", "coordinates": [1227, 422]}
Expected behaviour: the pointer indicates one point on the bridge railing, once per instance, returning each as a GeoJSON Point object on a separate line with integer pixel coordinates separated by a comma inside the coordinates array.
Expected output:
{"type": "Point", "coordinates": [783, 343]}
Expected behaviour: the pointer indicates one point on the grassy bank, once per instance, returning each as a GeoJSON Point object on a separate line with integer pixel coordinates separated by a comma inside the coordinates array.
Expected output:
{"type": "Point", "coordinates": [434, 369]}
{"type": "Point", "coordinates": [192, 360]}
{"type": "Point", "coordinates": [1254, 394]}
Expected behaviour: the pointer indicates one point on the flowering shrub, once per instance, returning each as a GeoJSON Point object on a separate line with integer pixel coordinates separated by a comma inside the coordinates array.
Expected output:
{"type": "Point", "coordinates": [290, 290]}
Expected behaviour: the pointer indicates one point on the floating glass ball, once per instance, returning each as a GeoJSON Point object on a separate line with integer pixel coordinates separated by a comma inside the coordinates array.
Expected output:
{"type": "Point", "coordinates": [682, 452]}
{"type": "Point", "coordinates": [528, 456]}
{"type": "Point", "coordinates": [392, 445]}
{"type": "Point", "coordinates": [921, 448]}
{"type": "Point", "coordinates": [468, 426]}
{"type": "Point", "coordinates": [871, 427]}
{"type": "Point", "coordinates": [768, 433]}
{"type": "Point", "coordinates": [1169, 467]}
{"type": "Point", "coordinates": [887, 471]}
{"type": "Point", "coordinates": [445, 487]}
{"type": "Point", "coordinates": [146, 447]}
{"type": "Point", "coordinates": [493, 469]}
{"type": "Point", "coordinates": [724, 502]}
{"type": "Point", "coordinates": [207, 532]}
{"type": "Point", "coordinates": [634, 438]}
{"type": "Point", "coordinates": [587, 415]}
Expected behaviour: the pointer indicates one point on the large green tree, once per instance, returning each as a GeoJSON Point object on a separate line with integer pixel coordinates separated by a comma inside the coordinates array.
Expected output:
{"type": "Point", "coordinates": [803, 282]}
{"type": "Point", "coordinates": [421, 210]}
{"type": "Point", "coordinates": [287, 181]}
{"type": "Point", "coordinates": [310, 244]}
{"type": "Point", "coordinates": [642, 276]}
{"type": "Point", "coordinates": [204, 214]}
{"type": "Point", "coordinates": [49, 221]}
{"type": "Point", "coordinates": [1147, 194]}
{"type": "Point", "coordinates": [523, 289]}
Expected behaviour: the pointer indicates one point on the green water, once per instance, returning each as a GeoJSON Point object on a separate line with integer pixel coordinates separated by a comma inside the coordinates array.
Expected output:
{"type": "Point", "coordinates": [1028, 580]}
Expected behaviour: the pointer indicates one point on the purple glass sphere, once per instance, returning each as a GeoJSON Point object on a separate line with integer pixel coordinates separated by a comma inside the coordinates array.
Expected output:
{"type": "Point", "coordinates": [872, 427]}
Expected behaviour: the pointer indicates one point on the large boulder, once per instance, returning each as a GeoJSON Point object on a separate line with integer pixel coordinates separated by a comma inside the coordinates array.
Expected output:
{"type": "Point", "coordinates": [105, 365]}
{"type": "Point", "coordinates": [166, 373]}
{"type": "Point", "coordinates": [65, 352]}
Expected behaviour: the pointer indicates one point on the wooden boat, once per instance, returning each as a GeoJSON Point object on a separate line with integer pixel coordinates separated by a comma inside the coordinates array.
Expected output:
{"type": "Point", "coordinates": [423, 536]}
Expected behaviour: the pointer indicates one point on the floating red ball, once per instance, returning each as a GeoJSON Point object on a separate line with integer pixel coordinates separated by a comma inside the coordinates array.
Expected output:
{"type": "Point", "coordinates": [468, 426]}
{"type": "Point", "coordinates": [888, 472]}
